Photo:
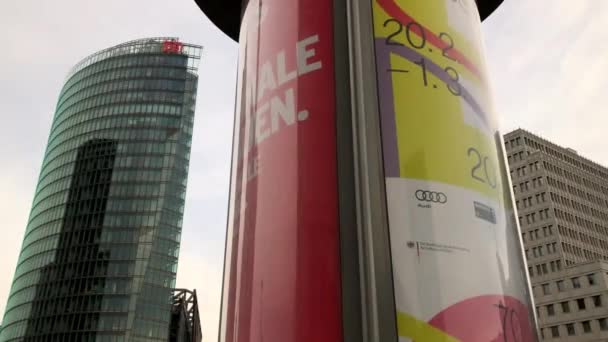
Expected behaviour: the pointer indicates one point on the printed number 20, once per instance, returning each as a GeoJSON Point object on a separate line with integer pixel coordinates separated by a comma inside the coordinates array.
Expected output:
{"type": "Point", "coordinates": [482, 171]}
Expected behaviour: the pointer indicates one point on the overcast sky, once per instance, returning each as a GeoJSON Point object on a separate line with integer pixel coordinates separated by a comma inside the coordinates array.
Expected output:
{"type": "Point", "coordinates": [548, 60]}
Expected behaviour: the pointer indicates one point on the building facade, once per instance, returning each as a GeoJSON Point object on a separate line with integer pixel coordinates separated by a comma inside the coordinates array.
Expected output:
{"type": "Point", "coordinates": [562, 202]}
{"type": "Point", "coordinates": [99, 256]}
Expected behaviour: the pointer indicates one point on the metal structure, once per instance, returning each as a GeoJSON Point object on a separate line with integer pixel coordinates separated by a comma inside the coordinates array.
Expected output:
{"type": "Point", "coordinates": [369, 196]}
{"type": "Point", "coordinates": [99, 255]}
{"type": "Point", "coordinates": [185, 319]}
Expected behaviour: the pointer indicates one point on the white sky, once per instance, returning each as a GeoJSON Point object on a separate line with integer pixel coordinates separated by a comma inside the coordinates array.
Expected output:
{"type": "Point", "coordinates": [548, 60]}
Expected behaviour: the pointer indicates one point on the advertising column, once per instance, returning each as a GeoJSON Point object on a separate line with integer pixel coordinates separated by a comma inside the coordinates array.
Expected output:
{"type": "Point", "coordinates": [282, 279]}
{"type": "Point", "coordinates": [457, 264]}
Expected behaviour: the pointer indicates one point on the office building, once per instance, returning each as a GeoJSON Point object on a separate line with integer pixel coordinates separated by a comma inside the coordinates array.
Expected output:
{"type": "Point", "coordinates": [562, 201]}
{"type": "Point", "coordinates": [100, 250]}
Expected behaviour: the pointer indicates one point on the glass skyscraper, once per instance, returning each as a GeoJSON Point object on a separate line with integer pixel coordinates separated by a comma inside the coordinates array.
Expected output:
{"type": "Point", "coordinates": [99, 256]}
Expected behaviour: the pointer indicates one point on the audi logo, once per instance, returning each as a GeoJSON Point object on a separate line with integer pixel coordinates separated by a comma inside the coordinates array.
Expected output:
{"type": "Point", "coordinates": [431, 196]}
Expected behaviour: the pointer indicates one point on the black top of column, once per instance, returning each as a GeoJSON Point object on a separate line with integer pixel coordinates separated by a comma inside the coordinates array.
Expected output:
{"type": "Point", "coordinates": [226, 14]}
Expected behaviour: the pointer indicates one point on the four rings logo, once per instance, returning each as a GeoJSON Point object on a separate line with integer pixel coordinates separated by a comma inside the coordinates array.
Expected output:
{"type": "Point", "coordinates": [431, 196]}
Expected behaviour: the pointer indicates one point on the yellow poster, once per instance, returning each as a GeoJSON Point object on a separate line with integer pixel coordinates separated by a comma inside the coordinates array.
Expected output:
{"type": "Point", "coordinates": [457, 263]}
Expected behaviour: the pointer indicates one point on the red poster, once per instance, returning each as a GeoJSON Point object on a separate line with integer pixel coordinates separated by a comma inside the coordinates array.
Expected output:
{"type": "Point", "coordinates": [282, 279]}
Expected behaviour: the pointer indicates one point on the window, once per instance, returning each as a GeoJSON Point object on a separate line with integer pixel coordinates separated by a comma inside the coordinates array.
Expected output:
{"type": "Point", "coordinates": [550, 310]}
{"type": "Point", "coordinates": [597, 301]}
{"type": "Point", "coordinates": [546, 289]}
{"type": "Point", "coordinates": [586, 326]}
{"type": "Point", "coordinates": [603, 324]}
{"type": "Point", "coordinates": [560, 285]}
{"type": "Point", "coordinates": [555, 331]}
{"type": "Point", "coordinates": [576, 283]}
{"type": "Point", "coordinates": [570, 329]}
{"type": "Point", "coordinates": [565, 307]}
{"type": "Point", "coordinates": [591, 279]}
{"type": "Point", "coordinates": [581, 303]}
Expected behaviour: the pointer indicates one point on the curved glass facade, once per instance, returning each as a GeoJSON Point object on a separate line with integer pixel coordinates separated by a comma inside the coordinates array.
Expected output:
{"type": "Point", "coordinates": [100, 251]}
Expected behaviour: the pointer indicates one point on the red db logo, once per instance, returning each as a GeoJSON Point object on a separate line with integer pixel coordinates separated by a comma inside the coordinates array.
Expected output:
{"type": "Point", "coordinates": [171, 46]}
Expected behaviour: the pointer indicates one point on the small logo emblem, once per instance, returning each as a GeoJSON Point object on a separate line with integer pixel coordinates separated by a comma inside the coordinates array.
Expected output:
{"type": "Point", "coordinates": [485, 212]}
{"type": "Point", "coordinates": [431, 196]}
{"type": "Point", "coordinates": [172, 46]}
